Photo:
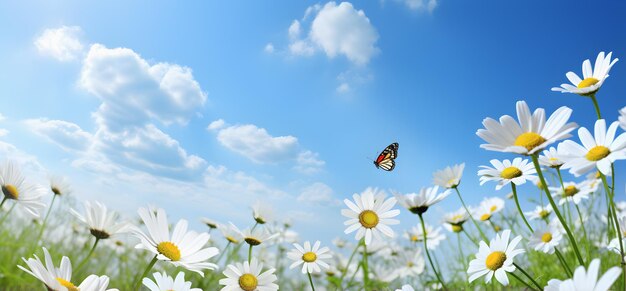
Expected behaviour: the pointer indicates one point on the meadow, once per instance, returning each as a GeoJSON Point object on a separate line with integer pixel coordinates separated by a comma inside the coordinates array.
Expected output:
{"type": "Point", "coordinates": [573, 238]}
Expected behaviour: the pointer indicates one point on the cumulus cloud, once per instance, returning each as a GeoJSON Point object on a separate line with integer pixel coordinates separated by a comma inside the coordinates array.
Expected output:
{"type": "Point", "coordinates": [421, 5]}
{"type": "Point", "coordinates": [336, 30]}
{"type": "Point", "coordinates": [61, 43]}
{"type": "Point", "coordinates": [309, 162]}
{"type": "Point", "coordinates": [257, 144]}
{"type": "Point", "coordinates": [317, 193]}
{"type": "Point", "coordinates": [67, 135]}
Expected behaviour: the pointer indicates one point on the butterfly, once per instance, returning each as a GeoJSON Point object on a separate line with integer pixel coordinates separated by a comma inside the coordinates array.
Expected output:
{"type": "Point", "coordinates": [386, 159]}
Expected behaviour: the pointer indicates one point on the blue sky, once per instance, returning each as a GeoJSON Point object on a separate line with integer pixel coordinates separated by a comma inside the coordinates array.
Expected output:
{"type": "Point", "coordinates": [302, 108]}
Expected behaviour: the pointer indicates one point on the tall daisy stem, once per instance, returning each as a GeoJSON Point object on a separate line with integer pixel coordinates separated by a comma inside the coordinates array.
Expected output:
{"type": "Point", "coordinates": [528, 276]}
{"type": "Point", "coordinates": [250, 254]}
{"type": "Point", "coordinates": [443, 285]}
{"type": "Point", "coordinates": [611, 203]}
{"type": "Point", "coordinates": [311, 281]}
{"type": "Point", "coordinates": [2, 203]}
{"type": "Point", "coordinates": [145, 273]}
{"type": "Point", "coordinates": [520, 279]}
{"type": "Point", "coordinates": [470, 237]}
{"type": "Point", "coordinates": [458, 239]}
{"type": "Point", "coordinates": [6, 215]}
{"type": "Point", "coordinates": [45, 219]}
{"type": "Point", "coordinates": [555, 208]}
{"type": "Point", "coordinates": [223, 252]}
{"type": "Point", "coordinates": [582, 225]}
{"type": "Point", "coordinates": [482, 234]}
{"type": "Point", "coordinates": [366, 271]}
{"type": "Point", "coordinates": [595, 104]}
{"type": "Point", "coordinates": [562, 260]}
{"type": "Point", "coordinates": [86, 259]}
{"type": "Point", "coordinates": [519, 209]}
{"type": "Point", "coordinates": [345, 271]}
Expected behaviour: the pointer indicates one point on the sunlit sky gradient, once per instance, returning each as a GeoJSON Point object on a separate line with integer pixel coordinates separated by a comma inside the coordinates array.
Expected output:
{"type": "Point", "coordinates": [303, 110]}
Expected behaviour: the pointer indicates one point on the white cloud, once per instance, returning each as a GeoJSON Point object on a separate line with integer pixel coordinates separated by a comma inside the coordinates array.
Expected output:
{"type": "Point", "coordinates": [67, 135]}
{"type": "Point", "coordinates": [343, 88]}
{"type": "Point", "coordinates": [217, 124]}
{"type": "Point", "coordinates": [428, 5]}
{"type": "Point", "coordinates": [256, 144]}
{"type": "Point", "coordinates": [308, 162]}
{"type": "Point", "coordinates": [317, 193]}
{"type": "Point", "coordinates": [337, 30]}
{"type": "Point", "coordinates": [2, 117]}
{"type": "Point", "coordinates": [3, 132]}
{"type": "Point", "coordinates": [269, 48]}
{"type": "Point", "coordinates": [61, 43]}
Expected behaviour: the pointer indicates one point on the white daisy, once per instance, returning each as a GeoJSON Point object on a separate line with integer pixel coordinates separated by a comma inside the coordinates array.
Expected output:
{"type": "Point", "coordinates": [573, 192]}
{"type": "Point", "coordinates": [163, 282]}
{"type": "Point", "coordinates": [419, 203]}
{"type": "Point", "coordinates": [15, 187]}
{"type": "Point", "coordinates": [434, 236]}
{"type": "Point", "coordinates": [592, 79]}
{"type": "Point", "coordinates": [231, 233]}
{"type": "Point", "coordinates": [311, 258]}
{"type": "Point", "coordinates": [540, 212]}
{"type": "Point", "coordinates": [495, 258]}
{"type": "Point", "coordinates": [545, 239]}
{"type": "Point", "coordinates": [182, 249]}
{"type": "Point", "coordinates": [585, 280]}
{"type": "Point", "coordinates": [493, 204]}
{"type": "Point", "coordinates": [406, 288]}
{"type": "Point", "coordinates": [410, 263]}
{"type": "Point", "coordinates": [59, 185]}
{"type": "Point", "coordinates": [550, 158]}
{"type": "Point", "coordinates": [532, 134]}
{"type": "Point", "coordinates": [256, 236]}
{"type": "Point", "coordinates": [506, 172]}
{"type": "Point", "coordinates": [262, 212]}
{"type": "Point", "coordinates": [450, 177]}
{"type": "Point", "coordinates": [614, 244]}
{"type": "Point", "coordinates": [101, 223]}
{"type": "Point", "coordinates": [248, 277]}
{"type": "Point", "coordinates": [60, 279]}
{"type": "Point", "coordinates": [370, 214]}
{"type": "Point", "coordinates": [210, 223]}
{"type": "Point", "coordinates": [599, 152]}
{"type": "Point", "coordinates": [454, 221]}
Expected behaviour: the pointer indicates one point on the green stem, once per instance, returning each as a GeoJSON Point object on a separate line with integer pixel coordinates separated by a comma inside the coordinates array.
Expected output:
{"type": "Point", "coordinates": [611, 203]}
{"type": "Point", "coordinates": [6, 215]}
{"type": "Point", "coordinates": [223, 252]}
{"type": "Point", "coordinates": [563, 263]}
{"type": "Point", "coordinates": [311, 281]}
{"type": "Point", "coordinates": [528, 276]}
{"type": "Point", "coordinates": [519, 208]}
{"type": "Point", "coordinates": [145, 273]}
{"type": "Point", "coordinates": [428, 253]}
{"type": "Point", "coordinates": [366, 273]}
{"type": "Point", "coordinates": [595, 104]}
{"type": "Point", "coordinates": [520, 279]}
{"type": "Point", "coordinates": [2, 203]}
{"type": "Point", "coordinates": [43, 224]}
{"type": "Point", "coordinates": [345, 271]}
{"type": "Point", "coordinates": [582, 225]}
{"type": "Point", "coordinates": [250, 254]}
{"type": "Point", "coordinates": [469, 237]}
{"type": "Point", "coordinates": [458, 239]}
{"type": "Point", "coordinates": [555, 208]}
{"type": "Point", "coordinates": [84, 261]}
{"type": "Point", "coordinates": [482, 234]}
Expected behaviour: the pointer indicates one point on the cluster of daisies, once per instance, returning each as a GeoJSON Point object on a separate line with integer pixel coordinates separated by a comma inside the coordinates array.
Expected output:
{"type": "Point", "coordinates": [542, 150]}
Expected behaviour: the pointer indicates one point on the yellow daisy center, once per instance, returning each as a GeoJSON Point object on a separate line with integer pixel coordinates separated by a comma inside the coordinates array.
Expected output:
{"type": "Point", "coordinates": [597, 153]}
{"type": "Point", "coordinates": [495, 260]}
{"type": "Point", "coordinates": [368, 219]}
{"type": "Point", "coordinates": [540, 186]}
{"type": "Point", "coordinates": [457, 228]}
{"type": "Point", "coordinates": [248, 282]}
{"type": "Point", "coordinates": [414, 238]}
{"type": "Point", "coordinates": [546, 237]}
{"type": "Point", "coordinates": [67, 284]}
{"type": "Point", "coordinates": [544, 213]}
{"type": "Point", "coordinates": [309, 257]}
{"type": "Point", "coordinates": [493, 208]}
{"type": "Point", "coordinates": [10, 191]}
{"type": "Point", "coordinates": [570, 191]}
{"type": "Point", "coordinates": [232, 239]}
{"type": "Point", "coordinates": [169, 250]}
{"type": "Point", "coordinates": [497, 228]}
{"type": "Point", "coordinates": [485, 217]}
{"type": "Point", "coordinates": [510, 173]}
{"type": "Point", "coordinates": [99, 234]}
{"type": "Point", "coordinates": [410, 264]}
{"type": "Point", "coordinates": [55, 190]}
{"type": "Point", "coordinates": [259, 220]}
{"type": "Point", "coordinates": [529, 140]}
{"type": "Point", "coordinates": [252, 241]}
{"type": "Point", "coordinates": [451, 182]}
{"type": "Point", "coordinates": [587, 82]}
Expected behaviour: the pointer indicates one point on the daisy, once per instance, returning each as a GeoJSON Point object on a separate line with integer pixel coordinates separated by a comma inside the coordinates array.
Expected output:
{"type": "Point", "coordinates": [59, 279]}
{"type": "Point", "coordinates": [599, 152]}
{"type": "Point", "coordinates": [370, 214]}
{"type": "Point", "coordinates": [454, 221]}
{"type": "Point", "coordinates": [584, 280]}
{"type": "Point", "coordinates": [592, 79]}
{"type": "Point", "coordinates": [419, 203]}
{"type": "Point", "coordinates": [573, 192]}
{"type": "Point", "coordinates": [450, 177]}
{"type": "Point", "coordinates": [59, 185]}
{"type": "Point", "coordinates": [163, 282]}
{"type": "Point", "coordinates": [493, 204]}
{"type": "Point", "coordinates": [410, 264]}
{"type": "Point", "coordinates": [257, 236]}
{"type": "Point", "coordinates": [545, 239]}
{"type": "Point", "coordinates": [182, 249]}
{"type": "Point", "coordinates": [540, 212]}
{"type": "Point", "coordinates": [262, 212]}
{"type": "Point", "coordinates": [211, 224]}
{"type": "Point", "coordinates": [101, 223]}
{"type": "Point", "coordinates": [614, 244]}
{"type": "Point", "coordinates": [531, 135]}
{"type": "Point", "coordinates": [433, 235]}
{"type": "Point", "coordinates": [550, 158]}
{"type": "Point", "coordinates": [495, 258]}
{"type": "Point", "coordinates": [231, 233]}
{"type": "Point", "coordinates": [505, 172]}
{"type": "Point", "coordinates": [311, 258]}
{"type": "Point", "coordinates": [15, 187]}
{"type": "Point", "coordinates": [248, 277]}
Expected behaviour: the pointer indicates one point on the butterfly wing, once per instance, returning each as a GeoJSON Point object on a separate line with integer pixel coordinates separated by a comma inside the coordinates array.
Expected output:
{"type": "Point", "coordinates": [386, 159]}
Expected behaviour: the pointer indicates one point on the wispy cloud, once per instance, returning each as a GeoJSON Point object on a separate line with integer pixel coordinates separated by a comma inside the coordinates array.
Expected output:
{"type": "Point", "coordinates": [61, 43]}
